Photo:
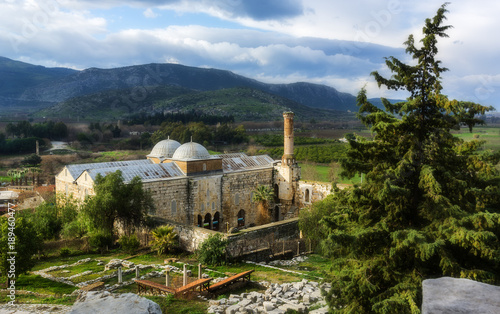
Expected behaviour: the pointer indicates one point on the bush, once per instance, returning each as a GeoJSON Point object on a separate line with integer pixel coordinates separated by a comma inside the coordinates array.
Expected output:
{"type": "Point", "coordinates": [213, 250]}
{"type": "Point", "coordinates": [101, 240]}
{"type": "Point", "coordinates": [129, 243]}
{"type": "Point", "coordinates": [63, 252]}
{"type": "Point", "coordinates": [164, 239]}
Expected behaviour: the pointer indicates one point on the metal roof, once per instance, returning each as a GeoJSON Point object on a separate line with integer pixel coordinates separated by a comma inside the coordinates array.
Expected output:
{"type": "Point", "coordinates": [77, 169]}
{"type": "Point", "coordinates": [144, 172]}
{"type": "Point", "coordinates": [244, 162]}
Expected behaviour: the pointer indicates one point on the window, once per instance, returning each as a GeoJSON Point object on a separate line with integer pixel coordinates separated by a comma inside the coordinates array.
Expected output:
{"type": "Point", "coordinates": [202, 207]}
{"type": "Point", "coordinates": [237, 199]}
{"type": "Point", "coordinates": [208, 193]}
{"type": "Point", "coordinates": [306, 196]}
{"type": "Point", "coordinates": [204, 167]}
{"type": "Point", "coordinates": [216, 222]}
{"type": "Point", "coordinates": [174, 206]}
{"type": "Point", "coordinates": [213, 206]}
{"type": "Point", "coordinates": [66, 186]}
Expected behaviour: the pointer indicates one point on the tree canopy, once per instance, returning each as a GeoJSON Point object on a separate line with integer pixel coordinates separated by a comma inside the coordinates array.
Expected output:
{"type": "Point", "coordinates": [429, 204]}
{"type": "Point", "coordinates": [115, 200]}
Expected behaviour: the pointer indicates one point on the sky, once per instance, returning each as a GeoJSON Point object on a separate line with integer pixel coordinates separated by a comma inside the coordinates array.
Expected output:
{"type": "Point", "coordinates": [331, 42]}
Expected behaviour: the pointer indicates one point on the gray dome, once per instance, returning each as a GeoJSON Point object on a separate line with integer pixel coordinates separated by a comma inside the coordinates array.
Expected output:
{"type": "Point", "coordinates": [164, 149]}
{"type": "Point", "coordinates": [191, 150]}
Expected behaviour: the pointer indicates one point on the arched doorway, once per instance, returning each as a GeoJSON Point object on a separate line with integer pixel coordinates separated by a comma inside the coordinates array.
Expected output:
{"type": "Point", "coordinates": [216, 222]}
{"type": "Point", "coordinates": [241, 218]}
{"type": "Point", "coordinates": [276, 213]}
{"type": "Point", "coordinates": [207, 223]}
{"type": "Point", "coordinates": [306, 196]}
{"type": "Point", "coordinates": [200, 221]}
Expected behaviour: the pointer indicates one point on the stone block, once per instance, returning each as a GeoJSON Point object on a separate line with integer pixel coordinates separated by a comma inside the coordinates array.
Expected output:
{"type": "Point", "coordinates": [233, 309]}
{"type": "Point", "coordinates": [458, 295]}
{"type": "Point", "coordinates": [268, 306]}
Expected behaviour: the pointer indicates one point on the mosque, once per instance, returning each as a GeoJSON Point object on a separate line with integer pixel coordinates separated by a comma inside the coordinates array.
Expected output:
{"type": "Point", "coordinates": [189, 186]}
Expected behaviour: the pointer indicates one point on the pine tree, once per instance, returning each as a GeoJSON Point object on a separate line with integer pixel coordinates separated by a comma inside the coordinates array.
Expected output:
{"type": "Point", "coordinates": [429, 204]}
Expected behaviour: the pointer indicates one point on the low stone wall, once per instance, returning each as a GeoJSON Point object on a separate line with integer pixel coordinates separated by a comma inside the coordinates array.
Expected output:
{"type": "Point", "coordinates": [255, 243]}
{"type": "Point", "coordinates": [256, 239]}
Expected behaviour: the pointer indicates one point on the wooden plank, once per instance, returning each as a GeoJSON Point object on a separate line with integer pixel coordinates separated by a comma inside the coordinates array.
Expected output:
{"type": "Point", "coordinates": [230, 280]}
{"type": "Point", "coordinates": [202, 283]}
{"type": "Point", "coordinates": [146, 284]}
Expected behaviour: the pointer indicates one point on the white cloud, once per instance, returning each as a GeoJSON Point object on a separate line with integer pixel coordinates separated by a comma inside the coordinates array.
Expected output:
{"type": "Point", "coordinates": [149, 13]}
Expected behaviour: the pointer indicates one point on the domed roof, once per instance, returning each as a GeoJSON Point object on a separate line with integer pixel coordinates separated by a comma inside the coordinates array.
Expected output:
{"type": "Point", "coordinates": [191, 150]}
{"type": "Point", "coordinates": [164, 149]}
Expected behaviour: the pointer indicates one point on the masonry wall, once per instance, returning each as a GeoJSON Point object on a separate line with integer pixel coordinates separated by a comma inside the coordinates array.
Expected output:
{"type": "Point", "coordinates": [247, 242]}
{"type": "Point", "coordinates": [171, 198]}
{"type": "Point", "coordinates": [311, 192]}
{"type": "Point", "coordinates": [237, 191]}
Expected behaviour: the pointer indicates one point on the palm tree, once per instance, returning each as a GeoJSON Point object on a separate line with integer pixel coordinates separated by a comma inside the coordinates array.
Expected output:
{"type": "Point", "coordinates": [262, 195]}
{"type": "Point", "coordinates": [164, 239]}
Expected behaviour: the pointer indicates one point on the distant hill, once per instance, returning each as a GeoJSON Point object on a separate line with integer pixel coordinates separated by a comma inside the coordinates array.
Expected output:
{"type": "Point", "coordinates": [244, 103]}
{"type": "Point", "coordinates": [22, 84]}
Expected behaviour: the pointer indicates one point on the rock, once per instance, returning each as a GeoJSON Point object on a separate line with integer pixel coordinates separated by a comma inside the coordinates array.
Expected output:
{"type": "Point", "coordinates": [457, 295]}
{"type": "Point", "coordinates": [300, 308]}
{"type": "Point", "coordinates": [106, 302]}
{"type": "Point", "coordinates": [268, 306]}
{"type": "Point", "coordinates": [128, 264]}
{"type": "Point", "coordinates": [323, 310]}
{"type": "Point", "coordinates": [232, 309]}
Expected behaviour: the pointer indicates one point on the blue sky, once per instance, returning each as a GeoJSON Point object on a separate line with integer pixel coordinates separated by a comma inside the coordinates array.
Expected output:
{"type": "Point", "coordinates": [336, 43]}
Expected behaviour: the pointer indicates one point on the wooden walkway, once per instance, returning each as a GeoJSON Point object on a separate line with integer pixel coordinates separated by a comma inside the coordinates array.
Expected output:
{"type": "Point", "coordinates": [229, 281]}
{"type": "Point", "coordinates": [158, 288]}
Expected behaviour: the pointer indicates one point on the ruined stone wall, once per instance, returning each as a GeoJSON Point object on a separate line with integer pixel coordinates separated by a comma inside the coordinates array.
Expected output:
{"type": "Point", "coordinates": [262, 237]}
{"type": "Point", "coordinates": [237, 191]}
{"type": "Point", "coordinates": [243, 243]}
{"type": "Point", "coordinates": [311, 192]}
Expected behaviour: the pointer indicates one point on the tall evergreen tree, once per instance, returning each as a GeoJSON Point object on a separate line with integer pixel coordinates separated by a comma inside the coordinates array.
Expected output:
{"type": "Point", "coordinates": [429, 204]}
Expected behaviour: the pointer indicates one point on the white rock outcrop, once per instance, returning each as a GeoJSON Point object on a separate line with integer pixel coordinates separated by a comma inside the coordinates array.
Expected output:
{"type": "Point", "coordinates": [110, 303]}
{"type": "Point", "coordinates": [448, 295]}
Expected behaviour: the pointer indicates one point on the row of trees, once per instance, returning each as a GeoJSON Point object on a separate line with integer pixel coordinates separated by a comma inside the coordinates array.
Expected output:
{"type": "Point", "coordinates": [19, 145]}
{"type": "Point", "coordinates": [201, 133]}
{"type": "Point", "coordinates": [318, 153]}
{"type": "Point", "coordinates": [183, 117]}
{"type": "Point", "coordinates": [49, 129]}
{"type": "Point", "coordinates": [430, 204]}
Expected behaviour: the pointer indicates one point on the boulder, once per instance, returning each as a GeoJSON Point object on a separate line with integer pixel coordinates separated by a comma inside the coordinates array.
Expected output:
{"type": "Point", "coordinates": [106, 302]}
{"type": "Point", "coordinates": [457, 295]}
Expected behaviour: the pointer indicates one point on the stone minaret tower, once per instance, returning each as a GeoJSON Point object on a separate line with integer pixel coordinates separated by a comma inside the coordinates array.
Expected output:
{"type": "Point", "coordinates": [288, 173]}
{"type": "Point", "coordinates": [288, 158]}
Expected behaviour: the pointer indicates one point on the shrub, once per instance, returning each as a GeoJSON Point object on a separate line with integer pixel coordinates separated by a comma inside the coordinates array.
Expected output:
{"type": "Point", "coordinates": [164, 239]}
{"type": "Point", "coordinates": [213, 250]}
{"type": "Point", "coordinates": [101, 240]}
{"type": "Point", "coordinates": [129, 243]}
{"type": "Point", "coordinates": [63, 252]}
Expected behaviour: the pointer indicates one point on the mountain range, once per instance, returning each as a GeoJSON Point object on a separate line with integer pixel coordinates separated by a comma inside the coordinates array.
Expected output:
{"type": "Point", "coordinates": [117, 92]}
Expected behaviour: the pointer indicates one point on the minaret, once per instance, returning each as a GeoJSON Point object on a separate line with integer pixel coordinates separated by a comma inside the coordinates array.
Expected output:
{"type": "Point", "coordinates": [288, 158]}
{"type": "Point", "coordinates": [288, 172]}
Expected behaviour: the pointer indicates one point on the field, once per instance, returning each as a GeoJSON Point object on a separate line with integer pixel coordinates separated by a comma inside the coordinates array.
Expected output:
{"type": "Point", "coordinates": [33, 288]}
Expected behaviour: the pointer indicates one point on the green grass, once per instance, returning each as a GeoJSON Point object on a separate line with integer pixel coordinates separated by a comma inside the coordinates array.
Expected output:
{"type": "Point", "coordinates": [38, 284]}
{"type": "Point", "coordinates": [490, 135]}
{"type": "Point", "coordinates": [4, 179]}
{"type": "Point", "coordinates": [179, 306]}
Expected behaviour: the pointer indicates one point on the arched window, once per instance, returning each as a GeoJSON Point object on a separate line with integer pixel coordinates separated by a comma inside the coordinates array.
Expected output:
{"type": "Point", "coordinates": [241, 218]}
{"type": "Point", "coordinates": [204, 167]}
{"type": "Point", "coordinates": [276, 213]}
{"type": "Point", "coordinates": [202, 207]}
{"type": "Point", "coordinates": [200, 221]}
{"type": "Point", "coordinates": [236, 199]}
{"type": "Point", "coordinates": [306, 196]}
{"type": "Point", "coordinates": [216, 222]}
{"type": "Point", "coordinates": [213, 206]}
{"type": "Point", "coordinates": [207, 223]}
{"type": "Point", "coordinates": [208, 193]}
{"type": "Point", "coordinates": [174, 206]}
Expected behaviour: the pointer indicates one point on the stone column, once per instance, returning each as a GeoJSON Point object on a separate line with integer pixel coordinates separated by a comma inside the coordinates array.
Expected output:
{"type": "Point", "coordinates": [298, 248]}
{"type": "Point", "coordinates": [184, 278]}
{"type": "Point", "coordinates": [167, 278]}
{"type": "Point", "coordinates": [137, 272]}
{"type": "Point", "coordinates": [120, 279]}
{"type": "Point", "coordinates": [199, 271]}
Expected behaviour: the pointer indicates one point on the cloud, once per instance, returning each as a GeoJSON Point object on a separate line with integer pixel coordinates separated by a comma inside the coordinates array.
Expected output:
{"type": "Point", "coordinates": [149, 13]}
